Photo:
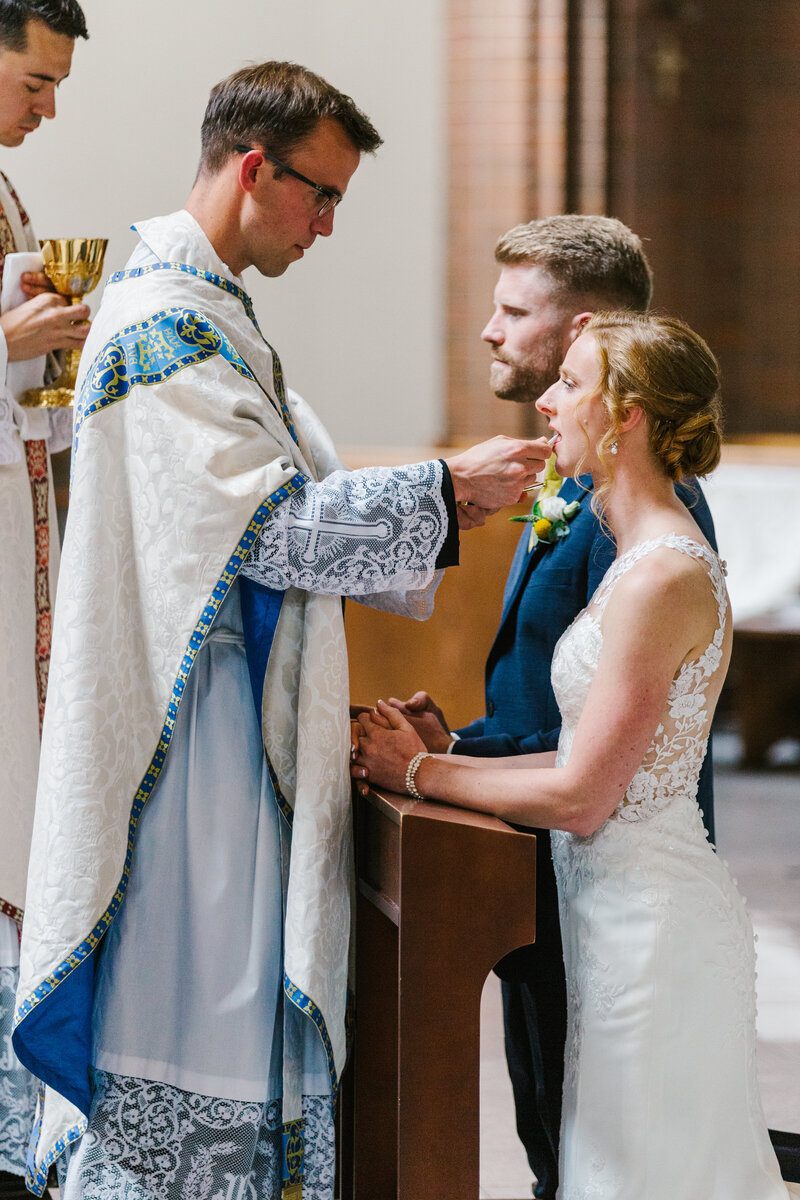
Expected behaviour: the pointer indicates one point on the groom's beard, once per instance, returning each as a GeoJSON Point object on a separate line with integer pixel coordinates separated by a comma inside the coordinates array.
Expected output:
{"type": "Point", "coordinates": [524, 382]}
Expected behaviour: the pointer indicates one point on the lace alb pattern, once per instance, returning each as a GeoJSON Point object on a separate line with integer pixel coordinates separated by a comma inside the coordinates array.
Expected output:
{"type": "Point", "coordinates": [10, 449]}
{"type": "Point", "coordinates": [17, 1086]}
{"type": "Point", "coordinates": [672, 764]}
{"type": "Point", "coordinates": [148, 1141]}
{"type": "Point", "coordinates": [355, 533]}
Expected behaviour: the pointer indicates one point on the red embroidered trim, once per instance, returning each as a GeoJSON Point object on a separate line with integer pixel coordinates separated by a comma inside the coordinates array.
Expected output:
{"type": "Point", "coordinates": [11, 910]}
{"type": "Point", "coordinates": [23, 215]}
{"type": "Point", "coordinates": [7, 243]}
{"type": "Point", "coordinates": [36, 457]}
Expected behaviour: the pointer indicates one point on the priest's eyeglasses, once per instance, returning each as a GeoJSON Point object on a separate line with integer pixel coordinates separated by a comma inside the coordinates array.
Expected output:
{"type": "Point", "coordinates": [328, 197]}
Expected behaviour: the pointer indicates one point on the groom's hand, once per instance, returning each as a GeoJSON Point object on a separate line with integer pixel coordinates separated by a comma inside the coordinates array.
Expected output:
{"type": "Point", "coordinates": [427, 719]}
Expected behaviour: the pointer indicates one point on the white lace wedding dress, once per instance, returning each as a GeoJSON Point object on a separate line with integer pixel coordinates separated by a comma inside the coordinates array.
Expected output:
{"type": "Point", "coordinates": [661, 1099]}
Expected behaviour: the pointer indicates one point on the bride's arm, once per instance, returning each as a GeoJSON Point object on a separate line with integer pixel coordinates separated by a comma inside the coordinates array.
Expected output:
{"type": "Point", "coordinates": [524, 762]}
{"type": "Point", "coordinates": [645, 640]}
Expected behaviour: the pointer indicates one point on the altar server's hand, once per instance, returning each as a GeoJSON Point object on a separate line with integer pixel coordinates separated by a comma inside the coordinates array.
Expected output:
{"type": "Point", "coordinates": [33, 283]}
{"type": "Point", "coordinates": [495, 473]}
{"type": "Point", "coordinates": [385, 748]}
{"type": "Point", "coordinates": [427, 720]}
{"type": "Point", "coordinates": [45, 322]}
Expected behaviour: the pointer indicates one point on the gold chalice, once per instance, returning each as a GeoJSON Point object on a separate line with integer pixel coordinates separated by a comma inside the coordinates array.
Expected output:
{"type": "Point", "coordinates": [74, 267]}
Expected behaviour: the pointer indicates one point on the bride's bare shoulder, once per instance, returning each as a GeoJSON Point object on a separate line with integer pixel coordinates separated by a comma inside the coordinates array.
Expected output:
{"type": "Point", "coordinates": [664, 584]}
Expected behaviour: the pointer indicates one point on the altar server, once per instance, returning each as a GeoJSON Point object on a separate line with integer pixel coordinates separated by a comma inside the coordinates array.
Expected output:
{"type": "Point", "coordinates": [36, 43]}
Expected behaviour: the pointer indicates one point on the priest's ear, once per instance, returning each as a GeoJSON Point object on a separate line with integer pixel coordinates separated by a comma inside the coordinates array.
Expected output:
{"type": "Point", "coordinates": [251, 164]}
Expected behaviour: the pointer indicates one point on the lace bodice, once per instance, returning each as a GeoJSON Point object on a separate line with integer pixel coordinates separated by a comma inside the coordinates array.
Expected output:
{"type": "Point", "coordinates": [672, 764]}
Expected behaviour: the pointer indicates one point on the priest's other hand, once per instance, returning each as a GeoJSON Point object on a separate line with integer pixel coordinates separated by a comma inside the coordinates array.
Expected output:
{"type": "Point", "coordinates": [470, 516]}
{"type": "Point", "coordinates": [427, 720]}
{"type": "Point", "coordinates": [45, 322]}
{"type": "Point", "coordinates": [495, 473]}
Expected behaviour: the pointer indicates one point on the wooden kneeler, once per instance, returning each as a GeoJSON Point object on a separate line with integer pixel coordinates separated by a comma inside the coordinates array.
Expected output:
{"type": "Point", "coordinates": [443, 894]}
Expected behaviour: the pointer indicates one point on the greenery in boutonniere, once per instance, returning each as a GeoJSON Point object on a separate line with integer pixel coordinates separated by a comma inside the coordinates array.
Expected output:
{"type": "Point", "coordinates": [550, 515]}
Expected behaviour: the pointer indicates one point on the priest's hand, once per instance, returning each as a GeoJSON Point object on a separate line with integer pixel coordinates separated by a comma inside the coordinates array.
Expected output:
{"type": "Point", "coordinates": [45, 322]}
{"type": "Point", "coordinates": [427, 720]}
{"type": "Point", "coordinates": [496, 473]}
{"type": "Point", "coordinates": [385, 748]}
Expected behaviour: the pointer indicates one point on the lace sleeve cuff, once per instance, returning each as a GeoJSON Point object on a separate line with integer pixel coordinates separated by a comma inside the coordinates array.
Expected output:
{"type": "Point", "coordinates": [356, 532]}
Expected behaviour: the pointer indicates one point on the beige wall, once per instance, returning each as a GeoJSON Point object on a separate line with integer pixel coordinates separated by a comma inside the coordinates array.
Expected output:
{"type": "Point", "coordinates": [359, 324]}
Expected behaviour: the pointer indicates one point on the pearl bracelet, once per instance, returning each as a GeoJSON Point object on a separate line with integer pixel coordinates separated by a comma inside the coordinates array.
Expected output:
{"type": "Point", "coordinates": [411, 774]}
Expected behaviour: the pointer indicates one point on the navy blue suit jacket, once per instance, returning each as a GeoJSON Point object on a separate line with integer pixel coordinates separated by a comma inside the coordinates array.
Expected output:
{"type": "Point", "coordinates": [546, 590]}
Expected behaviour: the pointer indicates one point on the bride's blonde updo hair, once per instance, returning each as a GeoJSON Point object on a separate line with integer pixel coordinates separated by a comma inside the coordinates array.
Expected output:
{"type": "Point", "coordinates": [662, 366]}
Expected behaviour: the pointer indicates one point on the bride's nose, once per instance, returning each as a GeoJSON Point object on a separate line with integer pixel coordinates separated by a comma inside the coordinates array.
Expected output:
{"type": "Point", "coordinates": [545, 402]}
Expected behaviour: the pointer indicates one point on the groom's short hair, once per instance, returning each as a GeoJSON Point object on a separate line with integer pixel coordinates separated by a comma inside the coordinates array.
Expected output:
{"type": "Point", "coordinates": [62, 16]}
{"type": "Point", "coordinates": [595, 258]}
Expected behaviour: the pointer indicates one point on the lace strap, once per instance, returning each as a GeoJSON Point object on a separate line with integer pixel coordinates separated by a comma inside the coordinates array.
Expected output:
{"type": "Point", "coordinates": [685, 545]}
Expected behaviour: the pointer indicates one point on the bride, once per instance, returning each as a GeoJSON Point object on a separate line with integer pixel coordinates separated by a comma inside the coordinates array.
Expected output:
{"type": "Point", "coordinates": [661, 1099]}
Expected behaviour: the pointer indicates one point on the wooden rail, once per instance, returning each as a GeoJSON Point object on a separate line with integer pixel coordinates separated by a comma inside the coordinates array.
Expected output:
{"type": "Point", "coordinates": [443, 894]}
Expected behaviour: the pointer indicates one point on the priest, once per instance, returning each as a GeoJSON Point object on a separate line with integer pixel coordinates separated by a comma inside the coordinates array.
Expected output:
{"type": "Point", "coordinates": [36, 44]}
{"type": "Point", "coordinates": [185, 960]}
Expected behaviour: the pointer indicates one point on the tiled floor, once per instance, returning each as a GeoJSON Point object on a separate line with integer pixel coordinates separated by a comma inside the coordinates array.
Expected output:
{"type": "Point", "coordinates": [758, 833]}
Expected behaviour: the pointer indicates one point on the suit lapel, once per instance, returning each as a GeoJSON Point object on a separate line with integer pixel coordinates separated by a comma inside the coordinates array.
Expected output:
{"type": "Point", "coordinates": [521, 565]}
{"type": "Point", "coordinates": [524, 561]}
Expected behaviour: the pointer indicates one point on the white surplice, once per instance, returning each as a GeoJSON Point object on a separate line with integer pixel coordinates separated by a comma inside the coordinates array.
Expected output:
{"type": "Point", "coordinates": [28, 573]}
{"type": "Point", "coordinates": [19, 694]}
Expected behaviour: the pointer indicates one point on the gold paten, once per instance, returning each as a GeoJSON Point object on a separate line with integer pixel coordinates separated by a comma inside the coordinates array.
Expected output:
{"type": "Point", "coordinates": [74, 267]}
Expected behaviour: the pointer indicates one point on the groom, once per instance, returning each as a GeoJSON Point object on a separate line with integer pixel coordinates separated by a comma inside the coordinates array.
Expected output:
{"type": "Point", "coordinates": [554, 273]}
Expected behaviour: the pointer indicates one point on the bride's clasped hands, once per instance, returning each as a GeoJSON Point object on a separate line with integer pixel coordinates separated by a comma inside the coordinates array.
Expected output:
{"type": "Point", "coordinates": [384, 744]}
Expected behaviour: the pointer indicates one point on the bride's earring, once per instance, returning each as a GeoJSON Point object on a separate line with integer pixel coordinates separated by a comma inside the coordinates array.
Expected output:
{"type": "Point", "coordinates": [614, 447]}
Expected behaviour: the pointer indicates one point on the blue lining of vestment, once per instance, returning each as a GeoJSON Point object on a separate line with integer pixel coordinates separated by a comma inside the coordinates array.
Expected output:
{"type": "Point", "coordinates": [261, 607]}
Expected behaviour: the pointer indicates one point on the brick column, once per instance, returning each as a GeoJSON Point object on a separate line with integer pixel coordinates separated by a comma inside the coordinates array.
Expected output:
{"type": "Point", "coordinates": [681, 118]}
{"type": "Point", "coordinates": [491, 72]}
{"type": "Point", "coordinates": [528, 117]}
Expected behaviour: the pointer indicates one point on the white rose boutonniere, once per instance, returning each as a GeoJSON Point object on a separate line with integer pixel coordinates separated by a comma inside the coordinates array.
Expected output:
{"type": "Point", "coordinates": [550, 515]}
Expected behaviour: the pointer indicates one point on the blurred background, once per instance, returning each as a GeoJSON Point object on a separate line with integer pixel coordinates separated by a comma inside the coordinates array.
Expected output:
{"type": "Point", "coordinates": [681, 118]}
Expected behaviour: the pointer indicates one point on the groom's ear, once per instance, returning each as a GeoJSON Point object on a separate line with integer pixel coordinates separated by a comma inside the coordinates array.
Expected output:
{"type": "Point", "coordinates": [577, 324]}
